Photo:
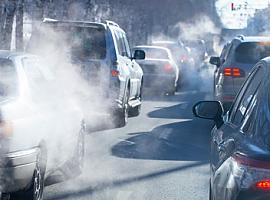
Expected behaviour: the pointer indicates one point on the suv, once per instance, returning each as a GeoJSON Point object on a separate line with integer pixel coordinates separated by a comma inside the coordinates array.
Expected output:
{"type": "Point", "coordinates": [102, 52]}
{"type": "Point", "coordinates": [234, 65]}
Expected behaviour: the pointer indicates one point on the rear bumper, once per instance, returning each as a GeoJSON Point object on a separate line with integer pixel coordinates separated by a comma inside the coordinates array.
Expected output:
{"type": "Point", "coordinates": [162, 82]}
{"type": "Point", "coordinates": [252, 194]}
{"type": "Point", "coordinates": [16, 170]}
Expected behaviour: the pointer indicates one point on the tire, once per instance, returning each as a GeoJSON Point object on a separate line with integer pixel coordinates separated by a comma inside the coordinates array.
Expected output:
{"type": "Point", "coordinates": [134, 112]}
{"type": "Point", "coordinates": [120, 116]}
{"type": "Point", "coordinates": [172, 91]}
{"type": "Point", "coordinates": [35, 191]}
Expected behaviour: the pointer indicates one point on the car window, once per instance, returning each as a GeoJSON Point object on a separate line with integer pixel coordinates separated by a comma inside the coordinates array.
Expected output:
{"type": "Point", "coordinates": [126, 44]}
{"type": "Point", "coordinates": [251, 52]}
{"type": "Point", "coordinates": [245, 97]}
{"type": "Point", "coordinates": [249, 118]}
{"type": "Point", "coordinates": [156, 53]}
{"type": "Point", "coordinates": [120, 43]}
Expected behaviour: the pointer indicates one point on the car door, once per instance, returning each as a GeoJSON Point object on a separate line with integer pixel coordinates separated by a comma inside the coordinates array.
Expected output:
{"type": "Point", "coordinates": [218, 71]}
{"type": "Point", "coordinates": [224, 138]}
{"type": "Point", "coordinates": [136, 71]}
{"type": "Point", "coordinates": [122, 62]}
{"type": "Point", "coordinates": [130, 65]}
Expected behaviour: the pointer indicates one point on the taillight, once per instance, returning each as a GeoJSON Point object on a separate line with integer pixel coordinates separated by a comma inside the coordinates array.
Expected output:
{"type": "Point", "coordinates": [183, 58]}
{"type": "Point", "coordinates": [168, 68]}
{"type": "Point", "coordinates": [114, 72]}
{"type": "Point", "coordinates": [250, 162]}
{"type": "Point", "coordinates": [234, 72]}
{"type": "Point", "coordinates": [264, 184]}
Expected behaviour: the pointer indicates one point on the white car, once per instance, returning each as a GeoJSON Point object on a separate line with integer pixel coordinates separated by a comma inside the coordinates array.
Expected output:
{"type": "Point", "coordinates": [41, 130]}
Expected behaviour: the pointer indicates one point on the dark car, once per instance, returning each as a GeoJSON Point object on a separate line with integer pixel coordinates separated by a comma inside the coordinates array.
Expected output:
{"type": "Point", "coordinates": [102, 52]}
{"type": "Point", "coordinates": [159, 69]}
{"type": "Point", "coordinates": [234, 64]}
{"type": "Point", "coordinates": [240, 141]}
{"type": "Point", "coordinates": [41, 130]}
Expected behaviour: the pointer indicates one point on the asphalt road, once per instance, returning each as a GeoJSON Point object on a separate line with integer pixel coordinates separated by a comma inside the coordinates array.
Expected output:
{"type": "Point", "coordinates": [162, 154]}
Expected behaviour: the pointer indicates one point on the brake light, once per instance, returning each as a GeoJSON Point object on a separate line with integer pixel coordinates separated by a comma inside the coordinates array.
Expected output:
{"type": "Point", "coordinates": [235, 72]}
{"type": "Point", "coordinates": [114, 73]}
{"type": "Point", "coordinates": [243, 160]}
{"type": "Point", "coordinates": [264, 184]}
{"type": "Point", "coordinates": [183, 58]}
{"type": "Point", "coordinates": [168, 68]}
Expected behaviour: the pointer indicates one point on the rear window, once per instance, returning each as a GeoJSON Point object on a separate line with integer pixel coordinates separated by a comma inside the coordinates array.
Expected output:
{"type": "Point", "coordinates": [155, 53]}
{"type": "Point", "coordinates": [8, 79]}
{"type": "Point", "coordinates": [251, 52]}
{"type": "Point", "coordinates": [81, 42]}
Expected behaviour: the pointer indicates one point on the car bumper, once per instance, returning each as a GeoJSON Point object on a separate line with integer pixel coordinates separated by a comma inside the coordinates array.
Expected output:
{"type": "Point", "coordinates": [16, 170]}
{"type": "Point", "coordinates": [162, 82]}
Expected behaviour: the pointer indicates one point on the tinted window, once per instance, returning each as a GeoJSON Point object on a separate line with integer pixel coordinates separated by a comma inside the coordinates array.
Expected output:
{"type": "Point", "coordinates": [82, 42]}
{"type": "Point", "coordinates": [251, 52]}
{"type": "Point", "coordinates": [8, 79]}
{"type": "Point", "coordinates": [246, 96]}
{"type": "Point", "coordinates": [88, 43]}
{"type": "Point", "coordinates": [155, 53]}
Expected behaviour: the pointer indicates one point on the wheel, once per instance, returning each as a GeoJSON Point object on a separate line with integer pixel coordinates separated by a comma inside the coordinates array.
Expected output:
{"type": "Point", "coordinates": [134, 112]}
{"type": "Point", "coordinates": [79, 154]}
{"type": "Point", "coordinates": [172, 91]}
{"type": "Point", "coordinates": [35, 191]}
{"type": "Point", "coordinates": [120, 116]}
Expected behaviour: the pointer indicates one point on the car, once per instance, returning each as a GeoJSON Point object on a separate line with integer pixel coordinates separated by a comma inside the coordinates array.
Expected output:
{"type": "Point", "coordinates": [234, 64]}
{"type": "Point", "coordinates": [40, 133]}
{"type": "Point", "coordinates": [181, 54]}
{"type": "Point", "coordinates": [102, 52]}
{"type": "Point", "coordinates": [160, 70]}
{"type": "Point", "coordinates": [240, 153]}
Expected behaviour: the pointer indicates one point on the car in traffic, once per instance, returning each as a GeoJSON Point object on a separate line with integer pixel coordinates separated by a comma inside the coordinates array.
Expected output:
{"type": "Point", "coordinates": [181, 54]}
{"type": "Point", "coordinates": [161, 73]}
{"type": "Point", "coordinates": [41, 129]}
{"type": "Point", "coordinates": [240, 142]}
{"type": "Point", "coordinates": [234, 64]}
{"type": "Point", "coordinates": [102, 53]}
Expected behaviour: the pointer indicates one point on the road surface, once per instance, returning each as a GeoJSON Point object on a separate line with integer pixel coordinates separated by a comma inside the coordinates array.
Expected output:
{"type": "Point", "coordinates": [162, 154]}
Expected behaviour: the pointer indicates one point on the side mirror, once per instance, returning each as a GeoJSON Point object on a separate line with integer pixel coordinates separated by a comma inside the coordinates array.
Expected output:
{"type": "Point", "coordinates": [215, 61]}
{"type": "Point", "coordinates": [139, 55]}
{"type": "Point", "coordinates": [212, 110]}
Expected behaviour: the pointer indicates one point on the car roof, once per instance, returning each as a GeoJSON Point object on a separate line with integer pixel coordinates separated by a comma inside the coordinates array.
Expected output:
{"type": "Point", "coordinates": [164, 42]}
{"type": "Point", "coordinates": [77, 23]}
{"type": "Point", "coordinates": [253, 38]}
{"type": "Point", "coordinates": [152, 47]}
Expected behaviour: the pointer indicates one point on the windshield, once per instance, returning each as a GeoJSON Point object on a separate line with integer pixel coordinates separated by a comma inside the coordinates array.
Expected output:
{"type": "Point", "coordinates": [8, 79]}
{"type": "Point", "coordinates": [155, 53]}
{"type": "Point", "coordinates": [81, 42]}
{"type": "Point", "coordinates": [251, 52]}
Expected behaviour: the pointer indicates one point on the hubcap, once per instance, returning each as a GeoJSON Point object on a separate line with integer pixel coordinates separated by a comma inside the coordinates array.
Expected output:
{"type": "Point", "coordinates": [37, 184]}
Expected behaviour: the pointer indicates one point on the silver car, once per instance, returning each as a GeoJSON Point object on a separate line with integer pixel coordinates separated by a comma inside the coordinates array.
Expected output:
{"type": "Point", "coordinates": [41, 130]}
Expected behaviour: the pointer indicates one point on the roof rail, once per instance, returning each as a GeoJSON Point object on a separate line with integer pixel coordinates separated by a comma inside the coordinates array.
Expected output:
{"type": "Point", "coordinates": [49, 20]}
{"type": "Point", "coordinates": [108, 22]}
{"type": "Point", "coordinates": [241, 37]}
